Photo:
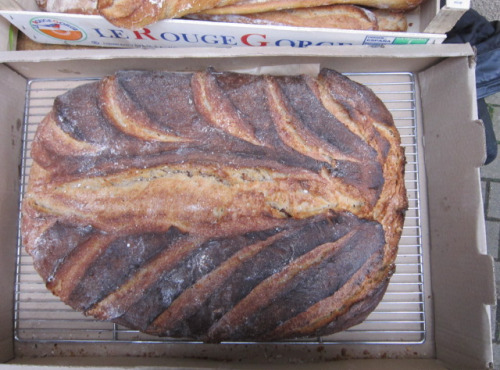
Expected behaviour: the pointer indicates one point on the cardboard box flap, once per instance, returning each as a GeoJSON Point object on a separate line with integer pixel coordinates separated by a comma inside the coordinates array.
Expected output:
{"type": "Point", "coordinates": [461, 272]}
{"type": "Point", "coordinates": [351, 58]}
{"type": "Point", "coordinates": [448, 16]}
{"type": "Point", "coordinates": [11, 106]}
{"type": "Point", "coordinates": [461, 277]}
{"type": "Point", "coordinates": [119, 363]}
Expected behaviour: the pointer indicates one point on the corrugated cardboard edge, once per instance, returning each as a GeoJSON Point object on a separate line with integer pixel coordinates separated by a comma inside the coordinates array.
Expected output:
{"type": "Point", "coordinates": [127, 363]}
{"type": "Point", "coordinates": [359, 51]}
{"type": "Point", "coordinates": [67, 63]}
{"type": "Point", "coordinates": [453, 156]}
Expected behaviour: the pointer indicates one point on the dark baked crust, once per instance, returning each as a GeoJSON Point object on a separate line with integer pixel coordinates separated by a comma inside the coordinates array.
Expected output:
{"type": "Point", "coordinates": [217, 206]}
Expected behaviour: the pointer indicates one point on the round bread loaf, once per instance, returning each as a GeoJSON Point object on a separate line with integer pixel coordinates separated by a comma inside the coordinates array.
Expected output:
{"type": "Point", "coordinates": [217, 206]}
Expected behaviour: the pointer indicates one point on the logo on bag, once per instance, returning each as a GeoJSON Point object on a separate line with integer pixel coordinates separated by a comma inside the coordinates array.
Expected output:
{"type": "Point", "coordinates": [58, 29]}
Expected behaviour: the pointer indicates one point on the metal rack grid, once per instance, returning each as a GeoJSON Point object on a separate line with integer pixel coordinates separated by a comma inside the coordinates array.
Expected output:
{"type": "Point", "coordinates": [400, 318]}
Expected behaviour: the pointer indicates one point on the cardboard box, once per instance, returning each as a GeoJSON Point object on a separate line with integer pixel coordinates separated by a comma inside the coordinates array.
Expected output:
{"type": "Point", "coordinates": [456, 282]}
{"type": "Point", "coordinates": [428, 24]}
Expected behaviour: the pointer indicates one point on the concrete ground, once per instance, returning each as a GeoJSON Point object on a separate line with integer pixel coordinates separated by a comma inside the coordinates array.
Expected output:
{"type": "Point", "coordinates": [490, 178]}
{"type": "Point", "coordinates": [490, 9]}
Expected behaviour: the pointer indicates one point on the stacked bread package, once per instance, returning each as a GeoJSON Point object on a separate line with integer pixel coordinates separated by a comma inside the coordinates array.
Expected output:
{"type": "Point", "coordinates": [380, 15]}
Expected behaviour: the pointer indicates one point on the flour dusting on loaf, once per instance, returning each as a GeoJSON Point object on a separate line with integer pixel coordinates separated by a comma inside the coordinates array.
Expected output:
{"type": "Point", "coordinates": [69, 6]}
{"type": "Point", "coordinates": [217, 206]}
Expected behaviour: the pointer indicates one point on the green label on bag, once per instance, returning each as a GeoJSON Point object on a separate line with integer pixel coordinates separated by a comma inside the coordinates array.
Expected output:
{"type": "Point", "coordinates": [406, 40]}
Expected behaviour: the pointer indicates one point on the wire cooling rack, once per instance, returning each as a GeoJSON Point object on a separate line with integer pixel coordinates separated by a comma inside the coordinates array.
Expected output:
{"type": "Point", "coordinates": [400, 317]}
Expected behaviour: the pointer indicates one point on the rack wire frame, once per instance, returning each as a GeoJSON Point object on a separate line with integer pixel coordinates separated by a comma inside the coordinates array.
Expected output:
{"type": "Point", "coordinates": [400, 318]}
